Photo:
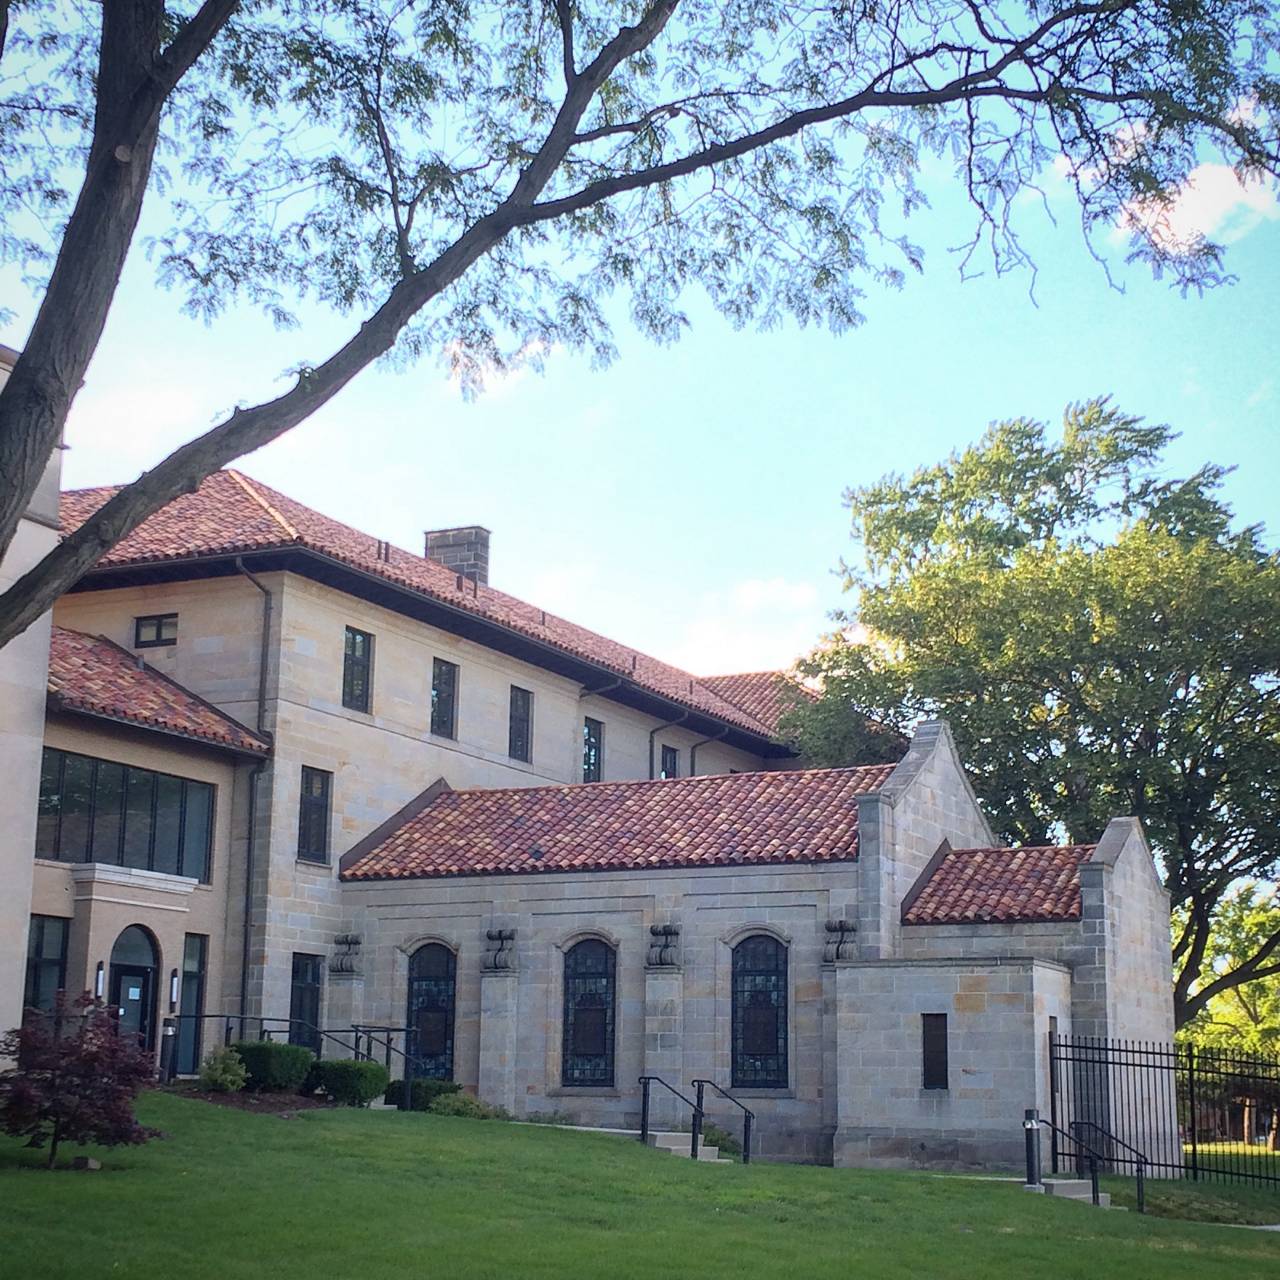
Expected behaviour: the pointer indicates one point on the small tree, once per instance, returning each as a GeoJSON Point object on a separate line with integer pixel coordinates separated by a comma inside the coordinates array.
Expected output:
{"type": "Point", "coordinates": [75, 1080]}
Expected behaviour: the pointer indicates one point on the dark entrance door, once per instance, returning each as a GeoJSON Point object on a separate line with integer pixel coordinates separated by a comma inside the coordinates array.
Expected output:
{"type": "Point", "coordinates": [304, 1001]}
{"type": "Point", "coordinates": [133, 985]}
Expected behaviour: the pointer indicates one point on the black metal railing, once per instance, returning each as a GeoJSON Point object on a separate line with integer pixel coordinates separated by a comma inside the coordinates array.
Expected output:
{"type": "Point", "coordinates": [1201, 1113]}
{"type": "Point", "coordinates": [1110, 1143]}
{"type": "Point", "coordinates": [695, 1135]}
{"type": "Point", "coordinates": [1086, 1158]}
{"type": "Point", "coordinates": [748, 1116]}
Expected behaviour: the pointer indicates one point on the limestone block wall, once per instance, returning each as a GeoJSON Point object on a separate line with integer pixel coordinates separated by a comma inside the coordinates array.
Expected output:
{"type": "Point", "coordinates": [997, 1013]}
{"type": "Point", "coordinates": [671, 1020]}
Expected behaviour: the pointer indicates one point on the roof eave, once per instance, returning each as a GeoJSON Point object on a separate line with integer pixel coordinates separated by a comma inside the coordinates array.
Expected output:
{"type": "Point", "coordinates": [60, 706]}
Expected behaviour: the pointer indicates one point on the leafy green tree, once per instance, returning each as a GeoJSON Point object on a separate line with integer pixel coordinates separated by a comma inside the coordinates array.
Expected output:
{"type": "Point", "coordinates": [1103, 641]}
{"type": "Point", "coordinates": [1245, 1015]}
{"type": "Point", "coordinates": [475, 179]}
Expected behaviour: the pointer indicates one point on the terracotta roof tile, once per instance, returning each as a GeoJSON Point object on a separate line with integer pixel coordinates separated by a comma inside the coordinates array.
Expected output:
{"type": "Point", "coordinates": [787, 816]}
{"type": "Point", "coordinates": [763, 695]}
{"type": "Point", "coordinates": [999, 885]}
{"type": "Point", "coordinates": [231, 513]}
{"type": "Point", "coordinates": [92, 675]}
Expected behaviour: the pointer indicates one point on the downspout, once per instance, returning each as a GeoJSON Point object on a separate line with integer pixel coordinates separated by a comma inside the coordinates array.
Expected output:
{"type": "Point", "coordinates": [671, 724]}
{"type": "Point", "coordinates": [693, 750]}
{"type": "Point", "coordinates": [264, 653]}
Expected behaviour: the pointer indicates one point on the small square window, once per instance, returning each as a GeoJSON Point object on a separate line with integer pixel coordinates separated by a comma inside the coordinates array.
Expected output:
{"type": "Point", "coordinates": [155, 631]}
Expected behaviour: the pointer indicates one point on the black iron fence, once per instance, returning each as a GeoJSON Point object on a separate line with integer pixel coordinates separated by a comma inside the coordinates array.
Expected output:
{"type": "Point", "coordinates": [1205, 1114]}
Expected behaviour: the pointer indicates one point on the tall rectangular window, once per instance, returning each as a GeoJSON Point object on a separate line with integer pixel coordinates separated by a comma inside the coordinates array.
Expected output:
{"type": "Point", "coordinates": [304, 1000]}
{"type": "Point", "coordinates": [155, 631]}
{"type": "Point", "coordinates": [934, 1043]}
{"type": "Point", "coordinates": [195, 958]}
{"type": "Point", "coordinates": [520, 727]}
{"type": "Point", "coordinates": [670, 763]}
{"type": "Point", "coordinates": [357, 671]}
{"type": "Point", "coordinates": [46, 962]}
{"type": "Point", "coordinates": [444, 698]}
{"type": "Point", "coordinates": [102, 811]}
{"type": "Point", "coordinates": [592, 750]}
{"type": "Point", "coordinates": [313, 815]}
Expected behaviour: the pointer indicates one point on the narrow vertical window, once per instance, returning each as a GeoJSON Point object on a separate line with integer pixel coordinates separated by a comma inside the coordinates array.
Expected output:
{"type": "Point", "coordinates": [195, 958]}
{"type": "Point", "coordinates": [46, 962]}
{"type": "Point", "coordinates": [759, 1013]}
{"type": "Point", "coordinates": [670, 763]}
{"type": "Point", "coordinates": [934, 1045]}
{"type": "Point", "coordinates": [313, 815]}
{"type": "Point", "coordinates": [589, 1000]}
{"type": "Point", "coordinates": [357, 671]}
{"type": "Point", "coordinates": [432, 979]}
{"type": "Point", "coordinates": [304, 1001]}
{"type": "Point", "coordinates": [156, 631]}
{"type": "Point", "coordinates": [520, 726]}
{"type": "Point", "coordinates": [444, 698]}
{"type": "Point", "coordinates": [592, 750]}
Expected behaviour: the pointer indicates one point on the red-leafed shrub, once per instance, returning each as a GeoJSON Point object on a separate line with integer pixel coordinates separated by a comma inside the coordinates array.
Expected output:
{"type": "Point", "coordinates": [75, 1079]}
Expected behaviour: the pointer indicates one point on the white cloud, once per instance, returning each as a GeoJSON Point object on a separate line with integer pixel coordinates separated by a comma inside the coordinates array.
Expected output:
{"type": "Point", "coordinates": [1213, 204]}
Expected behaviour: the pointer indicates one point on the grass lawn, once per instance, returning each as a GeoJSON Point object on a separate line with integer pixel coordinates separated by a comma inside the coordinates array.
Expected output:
{"type": "Point", "coordinates": [366, 1195]}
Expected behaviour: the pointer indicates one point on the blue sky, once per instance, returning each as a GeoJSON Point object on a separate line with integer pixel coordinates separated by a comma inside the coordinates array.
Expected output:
{"type": "Point", "coordinates": [687, 500]}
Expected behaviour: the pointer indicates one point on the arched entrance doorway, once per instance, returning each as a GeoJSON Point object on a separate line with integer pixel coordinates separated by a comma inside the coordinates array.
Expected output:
{"type": "Point", "coordinates": [432, 980]}
{"type": "Point", "coordinates": [135, 967]}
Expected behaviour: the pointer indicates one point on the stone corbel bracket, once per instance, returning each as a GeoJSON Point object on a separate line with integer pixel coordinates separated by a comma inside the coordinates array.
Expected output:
{"type": "Point", "coordinates": [840, 942]}
{"type": "Point", "coordinates": [664, 946]}
{"type": "Point", "coordinates": [499, 951]}
{"type": "Point", "coordinates": [346, 960]}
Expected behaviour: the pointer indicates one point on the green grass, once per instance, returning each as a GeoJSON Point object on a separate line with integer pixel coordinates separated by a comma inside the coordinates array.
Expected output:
{"type": "Point", "coordinates": [1200, 1201]}
{"type": "Point", "coordinates": [372, 1196]}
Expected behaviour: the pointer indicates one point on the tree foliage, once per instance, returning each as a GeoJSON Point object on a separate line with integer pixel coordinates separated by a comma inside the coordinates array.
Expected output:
{"type": "Point", "coordinates": [75, 1079]}
{"type": "Point", "coordinates": [1103, 641]}
{"type": "Point", "coordinates": [477, 179]}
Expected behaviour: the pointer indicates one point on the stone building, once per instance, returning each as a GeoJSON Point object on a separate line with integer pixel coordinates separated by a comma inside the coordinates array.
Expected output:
{"type": "Point", "coordinates": [293, 773]}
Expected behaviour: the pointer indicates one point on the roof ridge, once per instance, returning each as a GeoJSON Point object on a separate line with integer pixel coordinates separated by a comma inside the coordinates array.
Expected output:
{"type": "Point", "coordinates": [648, 782]}
{"type": "Point", "coordinates": [248, 486]}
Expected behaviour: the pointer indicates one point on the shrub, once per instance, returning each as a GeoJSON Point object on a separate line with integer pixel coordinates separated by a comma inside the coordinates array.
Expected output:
{"type": "Point", "coordinates": [222, 1070]}
{"type": "Point", "coordinates": [75, 1081]}
{"type": "Point", "coordinates": [350, 1083]}
{"type": "Point", "coordinates": [274, 1068]}
{"type": "Point", "coordinates": [422, 1093]}
{"type": "Point", "coordinates": [466, 1107]}
{"type": "Point", "coordinates": [714, 1136]}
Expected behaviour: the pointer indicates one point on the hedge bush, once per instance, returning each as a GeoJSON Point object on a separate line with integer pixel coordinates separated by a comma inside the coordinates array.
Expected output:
{"type": "Point", "coordinates": [350, 1083]}
{"type": "Point", "coordinates": [222, 1070]}
{"type": "Point", "coordinates": [467, 1107]}
{"type": "Point", "coordinates": [422, 1093]}
{"type": "Point", "coordinates": [272, 1067]}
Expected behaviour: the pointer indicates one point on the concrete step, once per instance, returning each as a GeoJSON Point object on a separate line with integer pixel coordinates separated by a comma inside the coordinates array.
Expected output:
{"type": "Point", "coordinates": [677, 1144]}
{"type": "Point", "coordinates": [1075, 1189]}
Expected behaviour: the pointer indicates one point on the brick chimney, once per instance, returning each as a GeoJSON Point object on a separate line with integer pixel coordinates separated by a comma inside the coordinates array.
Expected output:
{"type": "Point", "coordinates": [465, 550]}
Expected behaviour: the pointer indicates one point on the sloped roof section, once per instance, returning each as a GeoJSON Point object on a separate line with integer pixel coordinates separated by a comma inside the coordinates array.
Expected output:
{"type": "Point", "coordinates": [719, 820]}
{"type": "Point", "coordinates": [230, 513]}
{"type": "Point", "coordinates": [763, 695]}
{"type": "Point", "coordinates": [91, 675]}
{"type": "Point", "coordinates": [1002, 886]}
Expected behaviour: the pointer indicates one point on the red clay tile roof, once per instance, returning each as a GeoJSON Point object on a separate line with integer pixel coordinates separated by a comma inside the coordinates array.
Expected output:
{"type": "Point", "coordinates": [230, 513]}
{"type": "Point", "coordinates": [788, 816]}
{"type": "Point", "coordinates": [999, 885]}
{"type": "Point", "coordinates": [92, 675]}
{"type": "Point", "coordinates": [763, 695]}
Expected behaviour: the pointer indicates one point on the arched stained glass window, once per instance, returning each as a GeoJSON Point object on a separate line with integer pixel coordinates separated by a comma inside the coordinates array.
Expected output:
{"type": "Point", "coordinates": [759, 1013]}
{"type": "Point", "coordinates": [432, 989]}
{"type": "Point", "coordinates": [589, 1000]}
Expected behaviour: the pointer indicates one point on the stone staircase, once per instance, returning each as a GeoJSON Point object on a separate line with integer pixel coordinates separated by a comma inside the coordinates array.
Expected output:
{"type": "Point", "coordinates": [677, 1144]}
{"type": "Point", "coordinates": [1075, 1189]}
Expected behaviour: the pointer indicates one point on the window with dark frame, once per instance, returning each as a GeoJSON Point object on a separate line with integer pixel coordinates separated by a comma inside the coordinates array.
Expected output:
{"type": "Point", "coordinates": [935, 1071]}
{"type": "Point", "coordinates": [313, 815]}
{"type": "Point", "coordinates": [93, 810]}
{"type": "Point", "coordinates": [155, 631]}
{"type": "Point", "coordinates": [444, 698]}
{"type": "Point", "coordinates": [432, 992]}
{"type": "Point", "coordinates": [592, 750]}
{"type": "Point", "coordinates": [759, 1014]}
{"type": "Point", "coordinates": [357, 671]}
{"type": "Point", "coordinates": [305, 993]}
{"type": "Point", "coordinates": [520, 726]}
{"type": "Point", "coordinates": [46, 962]}
{"type": "Point", "coordinates": [586, 1059]}
{"type": "Point", "coordinates": [670, 762]}
{"type": "Point", "coordinates": [195, 960]}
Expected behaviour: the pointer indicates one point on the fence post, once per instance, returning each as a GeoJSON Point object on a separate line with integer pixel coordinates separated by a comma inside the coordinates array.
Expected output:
{"type": "Point", "coordinates": [644, 1109]}
{"type": "Point", "coordinates": [1191, 1109]}
{"type": "Point", "coordinates": [746, 1138]}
